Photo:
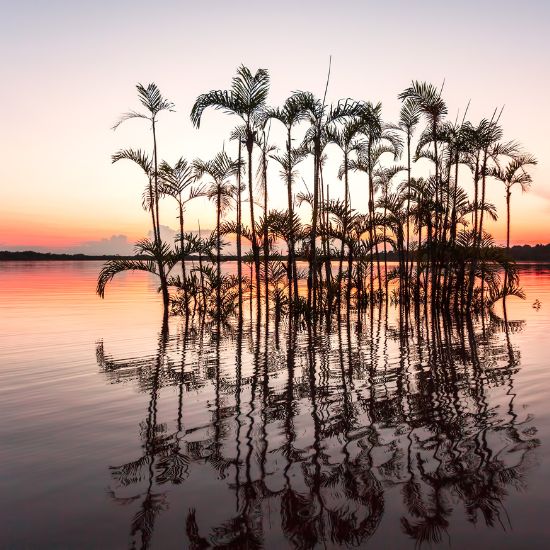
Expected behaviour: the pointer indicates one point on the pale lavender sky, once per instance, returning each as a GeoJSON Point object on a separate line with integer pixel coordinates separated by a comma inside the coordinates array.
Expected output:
{"type": "Point", "coordinates": [69, 69]}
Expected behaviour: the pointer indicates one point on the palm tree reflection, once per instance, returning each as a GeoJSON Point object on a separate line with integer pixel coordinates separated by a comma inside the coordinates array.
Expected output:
{"type": "Point", "coordinates": [311, 429]}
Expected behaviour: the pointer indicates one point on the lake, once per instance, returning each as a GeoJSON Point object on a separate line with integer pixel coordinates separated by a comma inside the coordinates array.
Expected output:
{"type": "Point", "coordinates": [387, 431]}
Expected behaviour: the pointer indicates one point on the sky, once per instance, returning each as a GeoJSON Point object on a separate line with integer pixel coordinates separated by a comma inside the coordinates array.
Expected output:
{"type": "Point", "coordinates": [69, 69]}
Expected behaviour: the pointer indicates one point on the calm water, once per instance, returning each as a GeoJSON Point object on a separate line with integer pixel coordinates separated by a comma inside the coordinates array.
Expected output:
{"type": "Point", "coordinates": [390, 432]}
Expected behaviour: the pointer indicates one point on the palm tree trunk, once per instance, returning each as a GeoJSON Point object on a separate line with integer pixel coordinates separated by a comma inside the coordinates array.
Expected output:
{"type": "Point", "coordinates": [455, 190]}
{"type": "Point", "coordinates": [482, 210]}
{"type": "Point", "coordinates": [372, 230]}
{"type": "Point", "coordinates": [406, 277]}
{"type": "Point", "coordinates": [183, 275]}
{"type": "Point", "coordinates": [508, 196]}
{"type": "Point", "coordinates": [471, 279]}
{"type": "Point", "coordinates": [385, 245]}
{"type": "Point", "coordinates": [239, 246]}
{"type": "Point", "coordinates": [160, 262]}
{"type": "Point", "coordinates": [152, 208]}
{"type": "Point", "coordinates": [417, 291]}
{"type": "Point", "coordinates": [290, 265]}
{"type": "Point", "coordinates": [218, 249]}
{"type": "Point", "coordinates": [326, 248]}
{"type": "Point", "coordinates": [292, 271]}
{"type": "Point", "coordinates": [344, 229]}
{"type": "Point", "coordinates": [265, 236]}
{"type": "Point", "coordinates": [255, 249]}
{"type": "Point", "coordinates": [312, 297]}
{"type": "Point", "coordinates": [203, 291]}
{"type": "Point", "coordinates": [434, 253]}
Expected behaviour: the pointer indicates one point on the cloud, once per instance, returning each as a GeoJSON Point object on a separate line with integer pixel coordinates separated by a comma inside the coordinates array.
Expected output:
{"type": "Point", "coordinates": [167, 234]}
{"type": "Point", "coordinates": [116, 244]}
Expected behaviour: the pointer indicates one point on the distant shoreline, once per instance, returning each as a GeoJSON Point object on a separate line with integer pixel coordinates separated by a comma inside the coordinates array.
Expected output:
{"type": "Point", "coordinates": [520, 253]}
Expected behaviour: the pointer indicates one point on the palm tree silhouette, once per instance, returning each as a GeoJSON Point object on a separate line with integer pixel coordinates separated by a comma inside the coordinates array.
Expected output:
{"type": "Point", "coordinates": [290, 114]}
{"type": "Point", "coordinates": [177, 182]}
{"type": "Point", "coordinates": [246, 99]}
{"type": "Point", "coordinates": [221, 169]}
{"type": "Point", "coordinates": [409, 117]}
{"type": "Point", "coordinates": [154, 103]}
{"type": "Point", "coordinates": [320, 117]}
{"type": "Point", "coordinates": [511, 175]}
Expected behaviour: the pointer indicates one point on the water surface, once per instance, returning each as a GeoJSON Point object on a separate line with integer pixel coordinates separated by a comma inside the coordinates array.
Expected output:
{"type": "Point", "coordinates": [386, 431]}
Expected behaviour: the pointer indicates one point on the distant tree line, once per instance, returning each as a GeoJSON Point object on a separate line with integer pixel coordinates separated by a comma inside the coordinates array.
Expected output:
{"type": "Point", "coordinates": [520, 253]}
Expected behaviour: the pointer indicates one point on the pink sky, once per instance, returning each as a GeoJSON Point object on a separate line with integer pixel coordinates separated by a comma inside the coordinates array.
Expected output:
{"type": "Point", "coordinates": [71, 70]}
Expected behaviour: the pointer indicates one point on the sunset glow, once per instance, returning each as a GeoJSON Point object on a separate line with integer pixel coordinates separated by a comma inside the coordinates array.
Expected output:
{"type": "Point", "coordinates": [72, 71]}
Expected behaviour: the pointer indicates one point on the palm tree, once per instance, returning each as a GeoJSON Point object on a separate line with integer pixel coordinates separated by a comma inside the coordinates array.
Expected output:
{"type": "Point", "coordinates": [177, 182]}
{"type": "Point", "coordinates": [238, 134]}
{"type": "Point", "coordinates": [381, 180]}
{"type": "Point", "coordinates": [320, 117]}
{"type": "Point", "coordinates": [144, 162]}
{"type": "Point", "coordinates": [409, 118]}
{"type": "Point", "coordinates": [380, 138]}
{"type": "Point", "coordinates": [290, 114]}
{"type": "Point", "coordinates": [347, 138]}
{"type": "Point", "coordinates": [154, 103]}
{"type": "Point", "coordinates": [262, 141]}
{"type": "Point", "coordinates": [220, 169]}
{"type": "Point", "coordinates": [513, 174]}
{"type": "Point", "coordinates": [427, 99]}
{"type": "Point", "coordinates": [246, 99]}
{"type": "Point", "coordinates": [288, 163]}
{"type": "Point", "coordinates": [339, 225]}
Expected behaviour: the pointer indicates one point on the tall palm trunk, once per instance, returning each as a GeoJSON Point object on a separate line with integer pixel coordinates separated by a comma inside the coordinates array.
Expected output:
{"type": "Point", "coordinates": [255, 248]}
{"type": "Point", "coordinates": [385, 245]}
{"type": "Point", "coordinates": [183, 274]}
{"type": "Point", "coordinates": [158, 242]}
{"type": "Point", "coordinates": [152, 208]}
{"type": "Point", "coordinates": [482, 210]}
{"type": "Point", "coordinates": [218, 248]}
{"type": "Point", "coordinates": [471, 279]}
{"type": "Point", "coordinates": [203, 290]}
{"type": "Point", "coordinates": [417, 290]}
{"type": "Point", "coordinates": [326, 250]}
{"type": "Point", "coordinates": [372, 229]}
{"type": "Point", "coordinates": [155, 204]}
{"type": "Point", "coordinates": [292, 270]}
{"type": "Point", "coordinates": [455, 190]}
{"type": "Point", "coordinates": [508, 196]}
{"type": "Point", "coordinates": [449, 283]}
{"type": "Point", "coordinates": [312, 295]}
{"type": "Point", "coordinates": [407, 257]}
{"type": "Point", "coordinates": [239, 245]}
{"type": "Point", "coordinates": [434, 251]}
{"type": "Point", "coordinates": [344, 228]}
{"type": "Point", "coordinates": [265, 235]}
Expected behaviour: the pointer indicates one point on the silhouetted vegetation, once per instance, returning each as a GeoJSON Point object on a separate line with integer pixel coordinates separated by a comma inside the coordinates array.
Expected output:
{"type": "Point", "coordinates": [429, 224]}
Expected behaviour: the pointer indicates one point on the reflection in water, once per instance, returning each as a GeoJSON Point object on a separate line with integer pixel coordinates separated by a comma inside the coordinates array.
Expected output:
{"type": "Point", "coordinates": [310, 427]}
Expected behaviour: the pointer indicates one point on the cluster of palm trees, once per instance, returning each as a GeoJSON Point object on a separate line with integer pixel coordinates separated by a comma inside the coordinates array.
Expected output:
{"type": "Point", "coordinates": [435, 229]}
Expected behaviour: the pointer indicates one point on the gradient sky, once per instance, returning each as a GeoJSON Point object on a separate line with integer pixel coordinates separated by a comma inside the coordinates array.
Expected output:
{"type": "Point", "coordinates": [70, 68]}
